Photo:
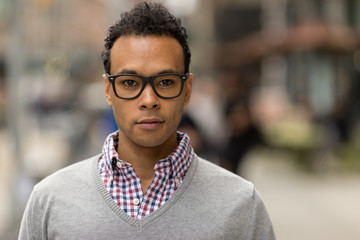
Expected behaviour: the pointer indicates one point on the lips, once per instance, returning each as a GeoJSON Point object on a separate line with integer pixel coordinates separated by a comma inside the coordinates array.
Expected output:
{"type": "Point", "coordinates": [150, 123]}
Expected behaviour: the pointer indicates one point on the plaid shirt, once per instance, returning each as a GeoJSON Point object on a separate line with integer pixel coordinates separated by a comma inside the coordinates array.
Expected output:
{"type": "Point", "coordinates": [124, 185]}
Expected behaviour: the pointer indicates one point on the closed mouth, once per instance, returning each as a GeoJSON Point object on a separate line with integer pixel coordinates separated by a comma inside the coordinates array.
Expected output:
{"type": "Point", "coordinates": [150, 121]}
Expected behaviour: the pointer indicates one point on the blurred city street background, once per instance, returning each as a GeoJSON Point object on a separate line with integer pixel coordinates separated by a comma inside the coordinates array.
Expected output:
{"type": "Point", "coordinates": [276, 99]}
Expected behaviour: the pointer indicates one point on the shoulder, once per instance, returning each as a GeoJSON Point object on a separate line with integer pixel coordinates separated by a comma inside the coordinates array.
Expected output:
{"type": "Point", "coordinates": [214, 173]}
{"type": "Point", "coordinates": [221, 183]}
{"type": "Point", "coordinates": [67, 177]}
{"type": "Point", "coordinates": [219, 186]}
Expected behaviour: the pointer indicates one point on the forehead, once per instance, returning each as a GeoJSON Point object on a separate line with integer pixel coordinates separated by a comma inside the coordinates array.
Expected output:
{"type": "Point", "coordinates": [146, 54]}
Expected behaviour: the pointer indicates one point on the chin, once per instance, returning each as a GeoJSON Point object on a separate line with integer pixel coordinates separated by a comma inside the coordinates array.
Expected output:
{"type": "Point", "coordinates": [149, 142]}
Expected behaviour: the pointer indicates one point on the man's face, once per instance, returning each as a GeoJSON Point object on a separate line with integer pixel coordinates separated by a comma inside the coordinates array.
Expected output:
{"type": "Point", "coordinates": [147, 121]}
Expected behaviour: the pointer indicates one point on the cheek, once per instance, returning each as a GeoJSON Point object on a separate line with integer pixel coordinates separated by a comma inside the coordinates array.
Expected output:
{"type": "Point", "coordinates": [177, 112]}
{"type": "Point", "coordinates": [121, 113]}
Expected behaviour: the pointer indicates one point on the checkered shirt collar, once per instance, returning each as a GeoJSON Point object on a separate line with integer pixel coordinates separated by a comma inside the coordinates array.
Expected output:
{"type": "Point", "coordinates": [179, 158]}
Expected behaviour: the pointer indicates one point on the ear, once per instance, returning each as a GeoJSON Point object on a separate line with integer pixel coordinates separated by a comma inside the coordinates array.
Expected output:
{"type": "Point", "coordinates": [188, 88]}
{"type": "Point", "coordinates": [107, 89]}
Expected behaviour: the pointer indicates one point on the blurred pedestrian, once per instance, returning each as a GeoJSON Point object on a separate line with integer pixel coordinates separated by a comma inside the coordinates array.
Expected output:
{"type": "Point", "coordinates": [243, 136]}
{"type": "Point", "coordinates": [147, 183]}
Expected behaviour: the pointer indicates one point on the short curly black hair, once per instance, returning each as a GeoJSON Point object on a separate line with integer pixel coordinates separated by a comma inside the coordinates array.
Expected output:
{"type": "Point", "coordinates": [146, 19]}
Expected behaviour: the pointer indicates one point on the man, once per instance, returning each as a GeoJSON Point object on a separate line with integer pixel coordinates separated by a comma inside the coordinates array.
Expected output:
{"type": "Point", "coordinates": [147, 183]}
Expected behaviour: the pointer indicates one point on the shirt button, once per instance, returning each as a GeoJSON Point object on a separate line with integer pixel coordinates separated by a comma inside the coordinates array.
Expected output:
{"type": "Point", "coordinates": [136, 201]}
{"type": "Point", "coordinates": [119, 165]}
{"type": "Point", "coordinates": [111, 179]}
{"type": "Point", "coordinates": [177, 180]}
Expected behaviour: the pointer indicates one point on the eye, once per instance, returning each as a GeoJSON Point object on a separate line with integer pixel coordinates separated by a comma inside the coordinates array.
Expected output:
{"type": "Point", "coordinates": [129, 83]}
{"type": "Point", "coordinates": [166, 82]}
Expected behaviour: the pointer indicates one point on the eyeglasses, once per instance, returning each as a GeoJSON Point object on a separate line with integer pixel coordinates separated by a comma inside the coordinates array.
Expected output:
{"type": "Point", "coordinates": [130, 86]}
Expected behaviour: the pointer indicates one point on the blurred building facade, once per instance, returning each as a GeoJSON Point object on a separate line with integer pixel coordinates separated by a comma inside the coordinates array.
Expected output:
{"type": "Point", "coordinates": [294, 64]}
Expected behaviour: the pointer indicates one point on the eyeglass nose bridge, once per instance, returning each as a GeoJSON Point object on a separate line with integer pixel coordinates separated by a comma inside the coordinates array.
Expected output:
{"type": "Point", "coordinates": [145, 80]}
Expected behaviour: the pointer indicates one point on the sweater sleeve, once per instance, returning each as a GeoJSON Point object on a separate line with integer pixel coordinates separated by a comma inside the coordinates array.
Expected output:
{"type": "Point", "coordinates": [260, 226]}
{"type": "Point", "coordinates": [30, 224]}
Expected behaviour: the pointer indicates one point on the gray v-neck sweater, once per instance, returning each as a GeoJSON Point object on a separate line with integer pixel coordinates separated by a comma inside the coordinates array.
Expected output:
{"type": "Point", "coordinates": [211, 203]}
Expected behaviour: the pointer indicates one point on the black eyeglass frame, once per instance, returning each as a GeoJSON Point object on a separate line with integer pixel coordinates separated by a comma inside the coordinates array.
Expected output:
{"type": "Point", "coordinates": [149, 79]}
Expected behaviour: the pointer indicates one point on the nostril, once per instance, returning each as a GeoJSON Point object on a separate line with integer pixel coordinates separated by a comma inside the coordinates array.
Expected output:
{"type": "Point", "coordinates": [145, 106]}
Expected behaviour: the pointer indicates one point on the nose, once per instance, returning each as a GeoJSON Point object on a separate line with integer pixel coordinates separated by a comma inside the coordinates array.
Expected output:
{"type": "Point", "coordinates": [148, 98]}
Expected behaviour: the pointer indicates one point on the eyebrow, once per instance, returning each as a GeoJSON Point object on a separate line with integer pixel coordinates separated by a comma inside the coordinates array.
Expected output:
{"type": "Point", "coordinates": [167, 71]}
{"type": "Point", "coordinates": [128, 71]}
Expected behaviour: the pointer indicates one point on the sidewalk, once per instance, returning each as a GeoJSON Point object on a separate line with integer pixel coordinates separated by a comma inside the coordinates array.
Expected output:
{"type": "Point", "coordinates": [307, 206]}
